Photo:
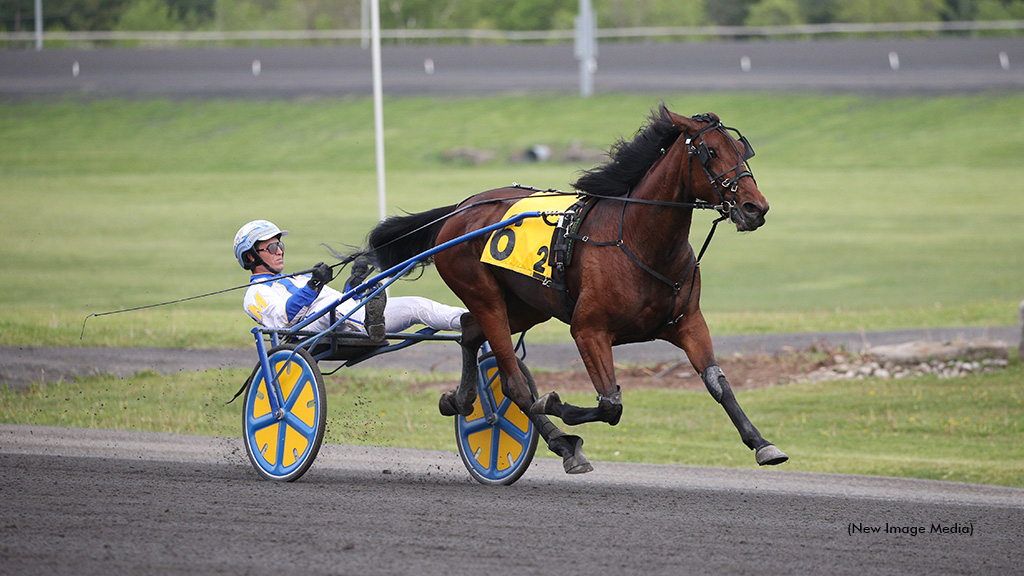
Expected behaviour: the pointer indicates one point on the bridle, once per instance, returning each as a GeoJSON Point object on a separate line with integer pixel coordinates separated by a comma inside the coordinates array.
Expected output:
{"type": "Point", "coordinates": [697, 147]}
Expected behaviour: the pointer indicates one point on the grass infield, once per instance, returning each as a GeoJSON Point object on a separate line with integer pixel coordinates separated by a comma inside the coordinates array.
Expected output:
{"type": "Point", "coordinates": [886, 212]}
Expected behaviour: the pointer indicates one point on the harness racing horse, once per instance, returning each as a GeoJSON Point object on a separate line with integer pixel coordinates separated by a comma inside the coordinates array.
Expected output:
{"type": "Point", "coordinates": [633, 275]}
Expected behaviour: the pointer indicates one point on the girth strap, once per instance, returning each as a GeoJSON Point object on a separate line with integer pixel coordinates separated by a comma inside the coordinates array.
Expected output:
{"type": "Point", "coordinates": [690, 272]}
{"type": "Point", "coordinates": [562, 244]}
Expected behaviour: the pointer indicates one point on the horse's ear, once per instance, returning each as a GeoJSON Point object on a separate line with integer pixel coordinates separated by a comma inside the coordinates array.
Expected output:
{"type": "Point", "coordinates": [686, 124]}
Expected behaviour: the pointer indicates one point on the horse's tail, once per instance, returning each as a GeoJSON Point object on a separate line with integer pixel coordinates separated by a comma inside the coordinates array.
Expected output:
{"type": "Point", "coordinates": [399, 238]}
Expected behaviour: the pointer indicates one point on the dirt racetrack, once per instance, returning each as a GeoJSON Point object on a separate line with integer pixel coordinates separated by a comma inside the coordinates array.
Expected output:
{"type": "Point", "coordinates": [106, 502]}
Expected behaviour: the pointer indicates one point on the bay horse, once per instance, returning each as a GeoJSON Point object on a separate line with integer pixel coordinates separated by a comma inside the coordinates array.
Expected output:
{"type": "Point", "coordinates": [633, 275]}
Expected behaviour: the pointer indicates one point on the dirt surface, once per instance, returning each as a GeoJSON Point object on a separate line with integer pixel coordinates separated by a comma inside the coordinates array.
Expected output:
{"type": "Point", "coordinates": [929, 66]}
{"type": "Point", "coordinates": [82, 502]}
{"type": "Point", "coordinates": [748, 361]}
{"type": "Point", "coordinates": [22, 366]}
{"type": "Point", "coordinates": [743, 371]}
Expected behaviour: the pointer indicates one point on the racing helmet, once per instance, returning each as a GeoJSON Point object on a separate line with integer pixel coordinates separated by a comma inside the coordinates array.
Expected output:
{"type": "Point", "coordinates": [251, 233]}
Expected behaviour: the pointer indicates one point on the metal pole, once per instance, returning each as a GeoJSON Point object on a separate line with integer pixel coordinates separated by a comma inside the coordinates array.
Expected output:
{"type": "Point", "coordinates": [586, 47]}
{"type": "Point", "coordinates": [39, 25]}
{"type": "Point", "coordinates": [378, 106]}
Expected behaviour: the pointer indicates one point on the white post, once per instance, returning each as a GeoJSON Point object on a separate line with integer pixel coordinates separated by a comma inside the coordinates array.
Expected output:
{"type": "Point", "coordinates": [586, 47]}
{"type": "Point", "coordinates": [39, 25]}
{"type": "Point", "coordinates": [378, 105]}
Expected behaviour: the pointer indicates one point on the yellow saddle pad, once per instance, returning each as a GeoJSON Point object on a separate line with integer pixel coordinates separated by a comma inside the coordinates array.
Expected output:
{"type": "Point", "coordinates": [525, 247]}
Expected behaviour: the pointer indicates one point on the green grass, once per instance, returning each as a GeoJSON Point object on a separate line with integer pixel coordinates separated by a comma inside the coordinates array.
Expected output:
{"type": "Point", "coordinates": [886, 212]}
{"type": "Point", "coordinates": [963, 429]}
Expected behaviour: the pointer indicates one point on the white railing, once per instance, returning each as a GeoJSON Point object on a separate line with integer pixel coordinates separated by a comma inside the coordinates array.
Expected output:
{"type": "Point", "coordinates": [290, 35]}
{"type": "Point", "coordinates": [814, 29]}
{"type": "Point", "coordinates": [160, 37]}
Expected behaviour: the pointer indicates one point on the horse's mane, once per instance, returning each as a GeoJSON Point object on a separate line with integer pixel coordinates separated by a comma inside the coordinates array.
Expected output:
{"type": "Point", "coordinates": [630, 161]}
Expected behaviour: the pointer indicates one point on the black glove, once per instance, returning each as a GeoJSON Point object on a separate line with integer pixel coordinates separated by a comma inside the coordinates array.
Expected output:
{"type": "Point", "coordinates": [360, 271]}
{"type": "Point", "coordinates": [322, 274]}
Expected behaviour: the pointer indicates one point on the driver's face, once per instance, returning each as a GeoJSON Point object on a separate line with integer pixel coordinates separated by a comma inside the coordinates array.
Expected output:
{"type": "Point", "coordinates": [272, 253]}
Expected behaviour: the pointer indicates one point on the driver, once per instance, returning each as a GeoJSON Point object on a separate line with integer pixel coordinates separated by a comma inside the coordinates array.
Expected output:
{"type": "Point", "coordinates": [277, 301]}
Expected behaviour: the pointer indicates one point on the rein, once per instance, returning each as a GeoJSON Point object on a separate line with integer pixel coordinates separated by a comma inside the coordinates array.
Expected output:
{"type": "Point", "coordinates": [459, 208]}
{"type": "Point", "coordinates": [276, 277]}
{"type": "Point", "coordinates": [700, 205]}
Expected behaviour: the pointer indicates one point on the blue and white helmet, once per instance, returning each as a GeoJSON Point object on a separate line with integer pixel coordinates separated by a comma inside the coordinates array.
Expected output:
{"type": "Point", "coordinates": [251, 233]}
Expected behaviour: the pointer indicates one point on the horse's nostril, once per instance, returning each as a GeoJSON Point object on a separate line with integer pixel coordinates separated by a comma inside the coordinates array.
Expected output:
{"type": "Point", "coordinates": [752, 210]}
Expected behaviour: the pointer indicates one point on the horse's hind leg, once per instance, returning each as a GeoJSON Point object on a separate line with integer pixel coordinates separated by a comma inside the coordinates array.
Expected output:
{"type": "Point", "coordinates": [608, 409]}
{"type": "Point", "coordinates": [568, 446]}
{"type": "Point", "coordinates": [596, 351]}
{"type": "Point", "coordinates": [460, 401]}
{"type": "Point", "coordinates": [693, 337]}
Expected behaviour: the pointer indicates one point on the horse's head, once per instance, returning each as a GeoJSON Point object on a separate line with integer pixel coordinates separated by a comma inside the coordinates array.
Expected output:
{"type": "Point", "coordinates": [722, 157]}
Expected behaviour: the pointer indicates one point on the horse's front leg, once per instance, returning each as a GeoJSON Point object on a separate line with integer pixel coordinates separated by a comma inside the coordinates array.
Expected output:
{"type": "Point", "coordinates": [693, 337]}
{"type": "Point", "coordinates": [596, 352]}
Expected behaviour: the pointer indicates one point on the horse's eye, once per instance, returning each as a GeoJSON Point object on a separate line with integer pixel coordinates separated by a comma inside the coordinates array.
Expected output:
{"type": "Point", "coordinates": [712, 153]}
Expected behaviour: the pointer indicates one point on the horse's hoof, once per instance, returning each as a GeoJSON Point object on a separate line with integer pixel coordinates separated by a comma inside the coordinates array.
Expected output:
{"type": "Point", "coordinates": [464, 404]}
{"type": "Point", "coordinates": [447, 404]}
{"type": "Point", "coordinates": [577, 463]}
{"type": "Point", "coordinates": [549, 404]}
{"type": "Point", "coordinates": [769, 455]}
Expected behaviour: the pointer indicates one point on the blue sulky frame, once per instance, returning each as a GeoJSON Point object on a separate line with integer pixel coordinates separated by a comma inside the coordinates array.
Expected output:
{"type": "Point", "coordinates": [285, 414]}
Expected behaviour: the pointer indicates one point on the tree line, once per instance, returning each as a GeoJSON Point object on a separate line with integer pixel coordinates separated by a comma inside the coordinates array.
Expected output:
{"type": "Point", "coordinates": [226, 15]}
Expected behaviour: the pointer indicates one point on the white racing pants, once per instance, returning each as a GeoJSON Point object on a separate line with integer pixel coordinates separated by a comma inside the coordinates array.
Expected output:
{"type": "Point", "coordinates": [403, 312]}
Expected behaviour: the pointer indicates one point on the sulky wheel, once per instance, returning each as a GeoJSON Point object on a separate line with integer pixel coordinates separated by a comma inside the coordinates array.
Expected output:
{"type": "Point", "coordinates": [282, 446]}
{"type": "Point", "coordinates": [497, 441]}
